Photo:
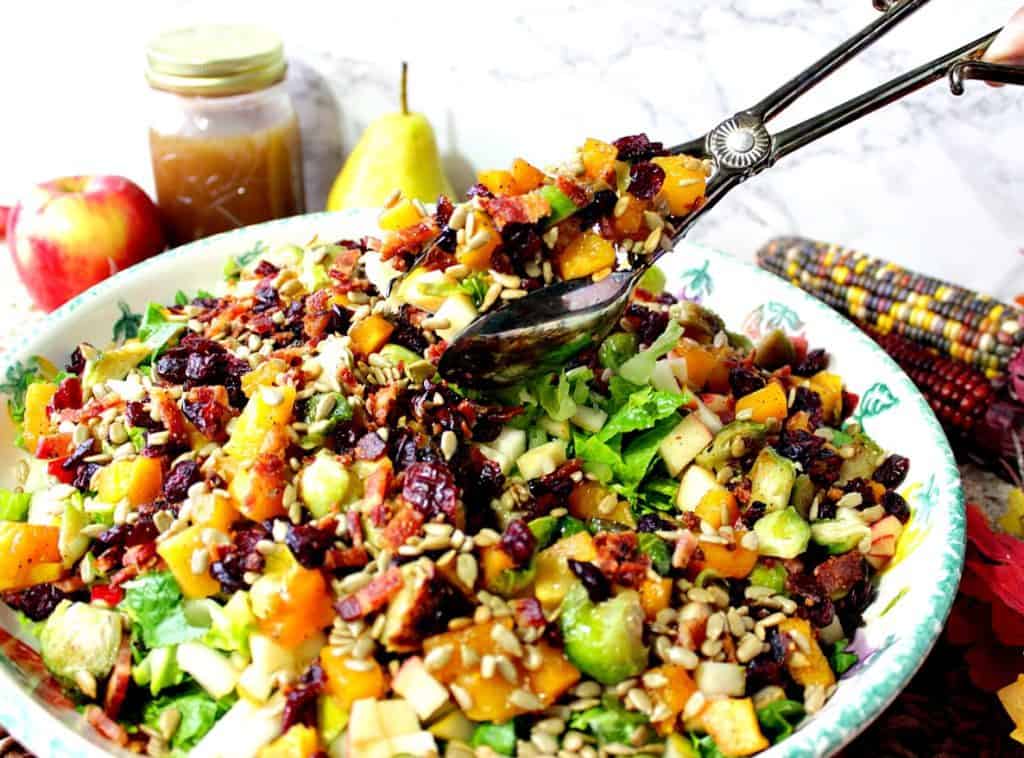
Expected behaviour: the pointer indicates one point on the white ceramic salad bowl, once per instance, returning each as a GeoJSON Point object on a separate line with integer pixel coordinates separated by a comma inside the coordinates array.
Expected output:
{"type": "Point", "coordinates": [914, 595]}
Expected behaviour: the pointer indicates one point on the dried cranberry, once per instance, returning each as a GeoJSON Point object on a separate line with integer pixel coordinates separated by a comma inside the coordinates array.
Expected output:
{"type": "Point", "coordinates": [812, 602]}
{"type": "Point", "coordinates": [402, 448]}
{"type": "Point", "coordinates": [36, 602]}
{"type": "Point", "coordinates": [447, 241]}
{"type": "Point", "coordinates": [553, 490]}
{"type": "Point", "coordinates": [645, 180]}
{"type": "Point", "coordinates": [265, 268]}
{"type": "Point", "coordinates": [744, 380]}
{"type": "Point", "coordinates": [137, 416]}
{"type": "Point", "coordinates": [892, 472]}
{"type": "Point", "coordinates": [480, 479]}
{"type": "Point", "coordinates": [84, 475]}
{"type": "Point", "coordinates": [309, 544]}
{"type": "Point", "coordinates": [594, 582]}
{"type": "Point", "coordinates": [827, 509]}
{"type": "Point", "coordinates": [82, 451]}
{"type": "Point", "coordinates": [798, 445]}
{"type": "Point", "coordinates": [601, 206]}
{"type": "Point", "coordinates": [522, 244]}
{"type": "Point", "coordinates": [203, 408]}
{"type": "Point", "coordinates": [76, 362]}
{"type": "Point", "coordinates": [895, 505]}
{"type": "Point", "coordinates": [808, 401]}
{"type": "Point", "coordinates": [266, 299]}
{"type": "Point", "coordinates": [443, 211]}
{"type": "Point", "coordinates": [651, 522]}
{"type": "Point", "coordinates": [752, 513]}
{"type": "Point", "coordinates": [518, 541]}
{"type": "Point", "coordinates": [68, 394]}
{"type": "Point", "coordinates": [300, 701]}
{"type": "Point", "coordinates": [228, 573]}
{"type": "Point", "coordinates": [637, 147]}
{"type": "Point", "coordinates": [181, 477]}
{"type": "Point", "coordinates": [824, 467]}
{"type": "Point", "coordinates": [478, 190]}
{"type": "Point", "coordinates": [764, 671]}
{"type": "Point", "coordinates": [406, 334]}
{"type": "Point", "coordinates": [430, 488]}
{"type": "Point", "coordinates": [646, 322]}
{"type": "Point", "coordinates": [204, 368]}
{"type": "Point", "coordinates": [815, 361]}
{"type": "Point", "coordinates": [346, 435]}
{"type": "Point", "coordinates": [338, 320]}
{"type": "Point", "coordinates": [862, 487]}
{"type": "Point", "coordinates": [850, 608]}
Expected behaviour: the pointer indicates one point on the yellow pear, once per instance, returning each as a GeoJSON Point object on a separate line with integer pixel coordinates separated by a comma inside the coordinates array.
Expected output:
{"type": "Point", "coordinates": [397, 151]}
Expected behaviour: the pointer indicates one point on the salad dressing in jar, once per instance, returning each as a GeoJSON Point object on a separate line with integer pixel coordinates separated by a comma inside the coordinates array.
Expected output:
{"type": "Point", "coordinates": [224, 135]}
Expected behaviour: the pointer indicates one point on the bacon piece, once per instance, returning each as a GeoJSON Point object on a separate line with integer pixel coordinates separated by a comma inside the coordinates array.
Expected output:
{"type": "Point", "coordinates": [381, 403]}
{"type": "Point", "coordinates": [105, 726]}
{"type": "Point", "coordinates": [372, 597]}
{"type": "Point", "coordinates": [685, 546]}
{"type": "Point", "coordinates": [344, 264]}
{"type": "Point", "coordinates": [117, 685]}
{"type": "Point", "coordinates": [838, 574]}
{"type": "Point", "coordinates": [401, 527]}
{"type": "Point", "coordinates": [620, 559]}
{"type": "Point", "coordinates": [171, 416]}
{"type": "Point", "coordinates": [318, 314]}
{"type": "Point", "coordinates": [518, 209]}
{"type": "Point", "coordinates": [355, 527]}
{"type": "Point", "coordinates": [408, 240]}
{"type": "Point", "coordinates": [575, 192]}
{"type": "Point", "coordinates": [140, 556]}
{"type": "Point", "coordinates": [349, 557]}
{"type": "Point", "coordinates": [210, 410]}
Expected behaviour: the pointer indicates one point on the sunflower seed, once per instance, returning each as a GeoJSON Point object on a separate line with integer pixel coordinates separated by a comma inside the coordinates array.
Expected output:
{"type": "Point", "coordinates": [439, 657]}
{"type": "Point", "coordinates": [526, 700]}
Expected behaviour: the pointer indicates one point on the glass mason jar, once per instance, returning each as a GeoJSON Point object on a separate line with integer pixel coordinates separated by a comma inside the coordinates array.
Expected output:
{"type": "Point", "coordinates": [223, 133]}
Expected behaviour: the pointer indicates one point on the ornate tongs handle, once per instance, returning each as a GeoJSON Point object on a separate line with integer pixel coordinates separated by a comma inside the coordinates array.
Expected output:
{"type": "Point", "coordinates": [741, 146]}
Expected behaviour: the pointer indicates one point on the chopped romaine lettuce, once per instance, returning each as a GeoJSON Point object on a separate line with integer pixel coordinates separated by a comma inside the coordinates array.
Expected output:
{"type": "Point", "coordinates": [609, 722]}
{"type": "Point", "coordinates": [639, 368]}
{"type": "Point", "coordinates": [156, 330]}
{"type": "Point", "coordinates": [655, 548]}
{"type": "Point", "coordinates": [779, 718]}
{"type": "Point", "coordinates": [155, 605]}
{"type": "Point", "coordinates": [641, 410]}
{"type": "Point", "coordinates": [841, 659]}
{"type": "Point", "coordinates": [198, 712]}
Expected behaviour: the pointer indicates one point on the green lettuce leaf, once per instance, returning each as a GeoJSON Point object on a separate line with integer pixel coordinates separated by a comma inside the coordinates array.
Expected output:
{"type": "Point", "coordinates": [639, 368]}
{"type": "Point", "coordinates": [501, 738]}
{"type": "Point", "coordinates": [841, 659]}
{"type": "Point", "coordinates": [641, 410]}
{"type": "Point", "coordinates": [476, 285]}
{"type": "Point", "coordinates": [643, 448]}
{"type": "Point", "coordinates": [156, 330]}
{"type": "Point", "coordinates": [655, 548]}
{"type": "Point", "coordinates": [555, 397]}
{"type": "Point", "coordinates": [778, 719]}
{"type": "Point", "coordinates": [14, 505]}
{"type": "Point", "coordinates": [198, 711]}
{"type": "Point", "coordinates": [156, 607]}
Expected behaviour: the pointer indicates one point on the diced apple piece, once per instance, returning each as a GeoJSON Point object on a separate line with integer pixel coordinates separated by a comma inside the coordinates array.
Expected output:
{"type": "Point", "coordinates": [663, 379]}
{"type": "Point", "coordinates": [589, 419]}
{"type": "Point", "coordinates": [559, 429]}
{"type": "Point", "coordinates": [885, 534]}
{"type": "Point", "coordinates": [364, 725]}
{"type": "Point", "coordinates": [510, 442]}
{"type": "Point", "coordinates": [684, 443]}
{"type": "Point", "coordinates": [453, 726]}
{"type": "Point", "coordinates": [397, 717]}
{"type": "Point", "coordinates": [212, 670]}
{"type": "Point", "coordinates": [459, 311]}
{"type": "Point", "coordinates": [715, 678]}
{"type": "Point", "coordinates": [418, 744]}
{"type": "Point", "coordinates": [419, 688]}
{"type": "Point", "coordinates": [696, 483]}
{"type": "Point", "coordinates": [542, 460]}
{"type": "Point", "coordinates": [497, 456]}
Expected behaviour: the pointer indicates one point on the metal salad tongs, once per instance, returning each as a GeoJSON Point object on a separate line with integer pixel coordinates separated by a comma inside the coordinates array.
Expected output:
{"type": "Point", "coordinates": [541, 331]}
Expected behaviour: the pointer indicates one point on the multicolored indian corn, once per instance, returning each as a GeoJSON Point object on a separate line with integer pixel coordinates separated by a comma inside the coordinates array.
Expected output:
{"type": "Point", "coordinates": [972, 328]}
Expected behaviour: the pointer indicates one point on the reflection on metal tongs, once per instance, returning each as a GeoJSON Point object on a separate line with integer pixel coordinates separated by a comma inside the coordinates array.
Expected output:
{"type": "Point", "coordinates": [540, 332]}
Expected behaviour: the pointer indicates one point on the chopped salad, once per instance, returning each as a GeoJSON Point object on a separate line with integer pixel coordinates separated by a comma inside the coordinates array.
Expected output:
{"type": "Point", "coordinates": [261, 523]}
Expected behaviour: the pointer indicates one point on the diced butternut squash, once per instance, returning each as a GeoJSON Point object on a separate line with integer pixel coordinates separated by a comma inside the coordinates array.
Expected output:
{"type": "Point", "coordinates": [555, 676]}
{"type": "Point", "coordinates": [718, 507]}
{"type": "Point", "coordinates": [214, 511]}
{"type": "Point", "coordinates": [477, 637]}
{"type": "Point", "coordinates": [732, 723]}
{"type": "Point", "coordinates": [588, 498]}
{"type": "Point", "coordinates": [810, 667]}
{"type": "Point", "coordinates": [585, 255]}
{"type": "Point", "coordinates": [178, 552]}
{"type": "Point", "coordinates": [674, 694]}
{"type": "Point", "coordinates": [258, 489]}
{"type": "Point", "coordinates": [37, 418]}
{"type": "Point", "coordinates": [402, 214]}
{"type": "Point", "coordinates": [267, 410]}
{"type": "Point", "coordinates": [490, 697]}
{"type": "Point", "coordinates": [497, 181]}
{"type": "Point", "coordinates": [301, 609]}
{"type": "Point", "coordinates": [264, 375]}
{"type": "Point", "coordinates": [630, 223]}
{"type": "Point", "coordinates": [655, 595]}
{"type": "Point", "coordinates": [700, 361]}
{"type": "Point", "coordinates": [763, 404]}
{"type": "Point", "coordinates": [830, 388]}
{"type": "Point", "coordinates": [29, 552]}
{"type": "Point", "coordinates": [300, 741]}
{"type": "Point", "coordinates": [730, 561]}
{"type": "Point", "coordinates": [1012, 698]}
{"type": "Point", "coordinates": [598, 158]}
{"type": "Point", "coordinates": [370, 335]}
{"type": "Point", "coordinates": [495, 560]}
{"type": "Point", "coordinates": [475, 251]}
{"type": "Point", "coordinates": [527, 176]}
{"type": "Point", "coordinates": [554, 578]}
{"type": "Point", "coordinates": [348, 681]}
{"type": "Point", "coordinates": [140, 480]}
{"type": "Point", "coordinates": [684, 184]}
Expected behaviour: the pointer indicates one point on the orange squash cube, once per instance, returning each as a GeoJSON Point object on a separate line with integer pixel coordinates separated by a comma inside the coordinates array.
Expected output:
{"type": "Point", "coordinates": [585, 255]}
{"type": "Point", "coordinates": [302, 609]}
{"type": "Point", "coordinates": [494, 560]}
{"type": "Point", "coordinates": [402, 214]}
{"type": "Point", "coordinates": [554, 577]}
{"type": "Point", "coordinates": [732, 723]}
{"type": "Point", "coordinates": [140, 480]}
{"type": "Point", "coordinates": [268, 410]}
{"type": "Point", "coordinates": [585, 501]}
{"type": "Point", "coordinates": [498, 182]}
{"type": "Point", "coordinates": [300, 741]}
{"type": "Point", "coordinates": [346, 684]}
{"type": "Point", "coordinates": [810, 667]}
{"type": "Point", "coordinates": [475, 251]}
{"type": "Point", "coordinates": [177, 552]}
{"type": "Point", "coordinates": [264, 375]}
{"type": "Point", "coordinates": [214, 511]}
{"type": "Point", "coordinates": [598, 159]}
{"type": "Point", "coordinates": [700, 362]}
{"type": "Point", "coordinates": [27, 550]}
{"type": "Point", "coordinates": [555, 676]}
{"type": "Point", "coordinates": [526, 176]}
{"type": "Point", "coordinates": [370, 335]}
{"type": "Point", "coordinates": [730, 561]}
{"type": "Point", "coordinates": [718, 507]}
{"type": "Point", "coordinates": [763, 404]}
{"type": "Point", "coordinates": [678, 688]}
{"type": "Point", "coordinates": [478, 637]}
{"type": "Point", "coordinates": [37, 418]}
{"type": "Point", "coordinates": [258, 489]}
{"type": "Point", "coordinates": [684, 185]}
{"type": "Point", "coordinates": [655, 595]}
{"type": "Point", "coordinates": [630, 224]}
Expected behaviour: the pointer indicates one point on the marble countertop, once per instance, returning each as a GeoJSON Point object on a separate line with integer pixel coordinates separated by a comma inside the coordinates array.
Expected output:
{"type": "Point", "coordinates": [934, 182]}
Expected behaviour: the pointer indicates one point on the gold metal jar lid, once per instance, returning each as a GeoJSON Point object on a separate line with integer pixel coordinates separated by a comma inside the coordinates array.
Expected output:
{"type": "Point", "coordinates": [215, 60]}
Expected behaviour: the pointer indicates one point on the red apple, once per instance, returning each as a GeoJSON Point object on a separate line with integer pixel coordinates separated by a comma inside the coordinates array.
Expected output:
{"type": "Point", "coordinates": [68, 234]}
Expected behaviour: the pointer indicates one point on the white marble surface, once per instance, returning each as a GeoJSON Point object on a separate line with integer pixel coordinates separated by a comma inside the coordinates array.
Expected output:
{"type": "Point", "coordinates": [934, 182]}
